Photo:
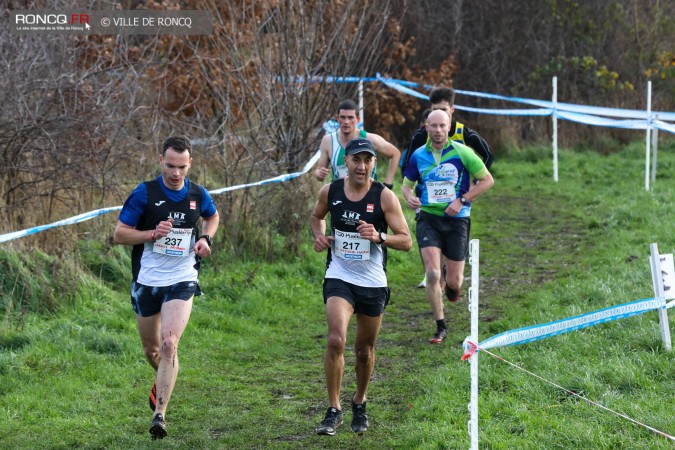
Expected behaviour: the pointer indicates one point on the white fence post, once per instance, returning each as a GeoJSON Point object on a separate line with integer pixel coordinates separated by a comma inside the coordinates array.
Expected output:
{"type": "Point", "coordinates": [660, 272]}
{"type": "Point", "coordinates": [363, 119]}
{"type": "Point", "coordinates": [655, 149]}
{"type": "Point", "coordinates": [555, 129]}
{"type": "Point", "coordinates": [474, 256]}
{"type": "Point", "coordinates": [649, 123]}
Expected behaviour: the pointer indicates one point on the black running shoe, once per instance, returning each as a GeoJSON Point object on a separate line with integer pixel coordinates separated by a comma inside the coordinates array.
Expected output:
{"type": "Point", "coordinates": [333, 419]}
{"type": "Point", "coordinates": [153, 396]}
{"type": "Point", "coordinates": [359, 418]}
{"type": "Point", "coordinates": [158, 427]}
{"type": "Point", "coordinates": [439, 337]}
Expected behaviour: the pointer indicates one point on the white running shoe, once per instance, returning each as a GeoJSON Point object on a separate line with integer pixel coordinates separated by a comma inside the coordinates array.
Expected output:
{"type": "Point", "coordinates": [423, 283]}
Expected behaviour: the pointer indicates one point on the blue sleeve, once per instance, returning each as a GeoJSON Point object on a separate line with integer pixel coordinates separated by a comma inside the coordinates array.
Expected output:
{"type": "Point", "coordinates": [208, 207]}
{"type": "Point", "coordinates": [411, 171]}
{"type": "Point", "coordinates": [134, 206]}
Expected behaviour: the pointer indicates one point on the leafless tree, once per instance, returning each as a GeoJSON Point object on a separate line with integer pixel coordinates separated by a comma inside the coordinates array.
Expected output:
{"type": "Point", "coordinates": [73, 122]}
{"type": "Point", "coordinates": [85, 114]}
{"type": "Point", "coordinates": [269, 74]}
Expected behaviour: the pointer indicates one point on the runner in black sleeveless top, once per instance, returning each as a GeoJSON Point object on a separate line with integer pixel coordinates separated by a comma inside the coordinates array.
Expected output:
{"type": "Point", "coordinates": [361, 210]}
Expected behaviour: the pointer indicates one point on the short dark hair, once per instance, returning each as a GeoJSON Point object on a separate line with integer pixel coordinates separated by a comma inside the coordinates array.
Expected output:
{"type": "Point", "coordinates": [178, 143]}
{"type": "Point", "coordinates": [442, 94]}
{"type": "Point", "coordinates": [349, 105]}
{"type": "Point", "coordinates": [425, 114]}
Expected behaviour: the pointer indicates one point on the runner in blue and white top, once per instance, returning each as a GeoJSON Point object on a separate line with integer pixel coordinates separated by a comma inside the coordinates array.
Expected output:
{"type": "Point", "coordinates": [443, 169]}
{"type": "Point", "coordinates": [149, 204]}
{"type": "Point", "coordinates": [160, 219]}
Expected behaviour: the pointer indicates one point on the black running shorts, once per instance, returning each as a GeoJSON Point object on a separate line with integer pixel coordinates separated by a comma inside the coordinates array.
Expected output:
{"type": "Point", "coordinates": [147, 300]}
{"type": "Point", "coordinates": [365, 300]}
{"type": "Point", "coordinates": [450, 234]}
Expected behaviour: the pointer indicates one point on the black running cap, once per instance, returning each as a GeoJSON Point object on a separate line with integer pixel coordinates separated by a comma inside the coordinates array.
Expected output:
{"type": "Point", "coordinates": [359, 145]}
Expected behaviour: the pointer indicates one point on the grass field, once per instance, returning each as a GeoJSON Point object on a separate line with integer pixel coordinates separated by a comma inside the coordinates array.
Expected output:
{"type": "Point", "coordinates": [251, 358]}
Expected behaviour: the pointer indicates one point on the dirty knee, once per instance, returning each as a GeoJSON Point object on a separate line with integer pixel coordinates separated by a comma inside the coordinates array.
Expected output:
{"type": "Point", "coordinates": [433, 276]}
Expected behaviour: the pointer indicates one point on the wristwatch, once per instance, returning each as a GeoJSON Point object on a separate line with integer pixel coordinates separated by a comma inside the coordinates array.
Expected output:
{"type": "Point", "coordinates": [463, 200]}
{"type": "Point", "coordinates": [207, 237]}
{"type": "Point", "coordinates": [383, 237]}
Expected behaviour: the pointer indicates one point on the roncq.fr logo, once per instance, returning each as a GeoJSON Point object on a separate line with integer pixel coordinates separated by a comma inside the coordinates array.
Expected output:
{"type": "Point", "coordinates": [51, 19]}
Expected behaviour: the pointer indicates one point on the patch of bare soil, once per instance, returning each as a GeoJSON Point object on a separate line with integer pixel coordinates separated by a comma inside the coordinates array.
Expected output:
{"type": "Point", "coordinates": [523, 243]}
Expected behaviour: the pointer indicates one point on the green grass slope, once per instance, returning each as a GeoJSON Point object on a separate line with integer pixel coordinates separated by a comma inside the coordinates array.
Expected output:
{"type": "Point", "coordinates": [252, 355]}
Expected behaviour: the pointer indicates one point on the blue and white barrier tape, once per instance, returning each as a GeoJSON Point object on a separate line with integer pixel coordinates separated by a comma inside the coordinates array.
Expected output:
{"type": "Point", "coordinates": [73, 220]}
{"type": "Point", "coordinates": [538, 332]}
{"type": "Point", "coordinates": [571, 107]}
{"type": "Point", "coordinates": [278, 179]}
{"type": "Point", "coordinates": [631, 124]}
{"type": "Point", "coordinates": [664, 126]}
{"type": "Point", "coordinates": [331, 126]}
{"type": "Point", "coordinates": [507, 112]}
{"type": "Point", "coordinates": [395, 84]}
{"type": "Point", "coordinates": [92, 214]}
{"type": "Point", "coordinates": [405, 86]}
{"type": "Point", "coordinates": [567, 111]}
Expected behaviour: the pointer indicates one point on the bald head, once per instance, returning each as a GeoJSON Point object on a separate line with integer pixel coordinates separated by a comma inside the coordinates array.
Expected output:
{"type": "Point", "coordinates": [438, 126]}
{"type": "Point", "coordinates": [437, 116]}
